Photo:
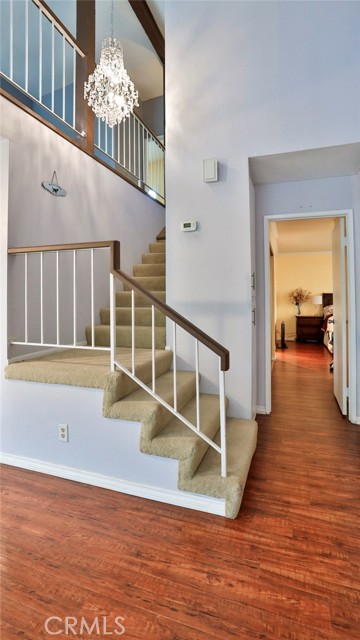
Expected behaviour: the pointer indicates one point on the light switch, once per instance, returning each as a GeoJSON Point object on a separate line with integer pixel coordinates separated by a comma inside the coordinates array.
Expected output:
{"type": "Point", "coordinates": [210, 169]}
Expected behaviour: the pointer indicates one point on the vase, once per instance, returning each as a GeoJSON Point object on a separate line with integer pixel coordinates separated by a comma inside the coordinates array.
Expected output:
{"type": "Point", "coordinates": [299, 310]}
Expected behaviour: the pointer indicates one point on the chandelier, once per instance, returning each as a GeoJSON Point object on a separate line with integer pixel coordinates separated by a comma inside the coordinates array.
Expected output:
{"type": "Point", "coordinates": [109, 91]}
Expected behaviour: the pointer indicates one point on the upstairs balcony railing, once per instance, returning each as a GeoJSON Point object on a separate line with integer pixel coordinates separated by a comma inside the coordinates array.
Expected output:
{"type": "Point", "coordinates": [43, 67]}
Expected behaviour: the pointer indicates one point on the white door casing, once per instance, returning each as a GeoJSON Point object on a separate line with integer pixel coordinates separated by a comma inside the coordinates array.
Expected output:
{"type": "Point", "coordinates": [347, 214]}
{"type": "Point", "coordinates": [340, 314]}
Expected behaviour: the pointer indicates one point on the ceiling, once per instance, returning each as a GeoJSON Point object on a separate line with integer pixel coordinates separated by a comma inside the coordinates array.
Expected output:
{"type": "Point", "coordinates": [141, 61]}
{"type": "Point", "coordinates": [341, 160]}
{"type": "Point", "coordinates": [303, 236]}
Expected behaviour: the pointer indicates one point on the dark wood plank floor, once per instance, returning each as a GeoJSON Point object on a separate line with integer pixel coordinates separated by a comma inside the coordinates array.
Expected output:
{"type": "Point", "coordinates": [287, 568]}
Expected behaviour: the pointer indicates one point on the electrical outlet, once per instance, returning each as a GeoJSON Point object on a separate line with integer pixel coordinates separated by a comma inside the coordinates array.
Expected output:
{"type": "Point", "coordinates": [63, 433]}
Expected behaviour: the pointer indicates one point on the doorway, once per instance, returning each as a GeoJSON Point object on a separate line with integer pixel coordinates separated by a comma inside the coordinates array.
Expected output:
{"type": "Point", "coordinates": [349, 349]}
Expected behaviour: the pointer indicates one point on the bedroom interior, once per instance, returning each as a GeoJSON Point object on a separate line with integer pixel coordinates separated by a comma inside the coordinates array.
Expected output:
{"type": "Point", "coordinates": [302, 257]}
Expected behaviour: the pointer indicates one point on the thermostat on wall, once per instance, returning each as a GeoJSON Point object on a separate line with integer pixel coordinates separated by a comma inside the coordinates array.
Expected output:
{"type": "Point", "coordinates": [189, 226]}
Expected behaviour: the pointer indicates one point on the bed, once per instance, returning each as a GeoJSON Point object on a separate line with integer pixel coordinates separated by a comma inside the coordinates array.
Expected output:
{"type": "Point", "coordinates": [328, 323]}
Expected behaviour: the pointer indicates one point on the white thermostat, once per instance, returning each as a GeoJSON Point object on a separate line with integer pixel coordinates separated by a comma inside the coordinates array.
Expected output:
{"type": "Point", "coordinates": [189, 226]}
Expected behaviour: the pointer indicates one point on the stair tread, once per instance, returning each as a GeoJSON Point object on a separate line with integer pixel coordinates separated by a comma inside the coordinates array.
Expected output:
{"type": "Point", "coordinates": [123, 298]}
{"type": "Point", "coordinates": [154, 258]}
{"type": "Point", "coordinates": [207, 480]}
{"type": "Point", "coordinates": [150, 283]}
{"type": "Point", "coordinates": [143, 316]}
{"type": "Point", "coordinates": [157, 269]}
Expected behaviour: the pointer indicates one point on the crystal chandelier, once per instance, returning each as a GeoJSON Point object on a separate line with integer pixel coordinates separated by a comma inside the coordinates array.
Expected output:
{"type": "Point", "coordinates": [109, 91]}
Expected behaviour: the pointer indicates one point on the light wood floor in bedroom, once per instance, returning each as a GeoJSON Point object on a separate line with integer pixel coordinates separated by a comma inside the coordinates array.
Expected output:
{"type": "Point", "coordinates": [287, 568]}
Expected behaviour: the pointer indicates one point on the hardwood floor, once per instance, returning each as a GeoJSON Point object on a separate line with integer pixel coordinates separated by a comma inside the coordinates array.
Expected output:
{"type": "Point", "coordinates": [288, 568]}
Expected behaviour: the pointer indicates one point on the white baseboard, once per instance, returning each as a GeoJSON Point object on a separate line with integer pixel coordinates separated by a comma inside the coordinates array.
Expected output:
{"type": "Point", "coordinates": [207, 504]}
{"type": "Point", "coordinates": [261, 410]}
{"type": "Point", "coordinates": [357, 420]}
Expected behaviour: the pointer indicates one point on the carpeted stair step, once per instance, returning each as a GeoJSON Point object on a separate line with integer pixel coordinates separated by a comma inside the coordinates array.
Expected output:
{"type": "Point", "coordinates": [149, 270]}
{"type": "Point", "coordinates": [207, 480]}
{"type": "Point", "coordinates": [178, 441]}
{"type": "Point", "coordinates": [143, 316]}
{"type": "Point", "coordinates": [140, 406]}
{"type": "Point", "coordinates": [154, 258]}
{"type": "Point", "coordinates": [157, 247]}
{"type": "Point", "coordinates": [143, 336]}
{"type": "Point", "coordinates": [83, 368]}
{"type": "Point", "coordinates": [123, 299]}
{"type": "Point", "coordinates": [150, 283]}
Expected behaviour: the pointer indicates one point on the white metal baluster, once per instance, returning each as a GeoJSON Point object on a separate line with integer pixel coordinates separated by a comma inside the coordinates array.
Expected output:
{"type": "Point", "coordinates": [112, 323]}
{"type": "Point", "coordinates": [26, 297]}
{"type": "Point", "coordinates": [222, 421]}
{"type": "Point", "coordinates": [134, 145]}
{"type": "Point", "coordinates": [99, 133]}
{"type": "Point", "coordinates": [57, 300]}
{"type": "Point", "coordinates": [118, 144]}
{"type": "Point", "coordinates": [52, 66]}
{"type": "Point", "coordinates": [92, 298]}
{"type": "Point", "coordinates": [174, 366]}
{"type": "Point", "coordinates": [74, 88]}
{"type": "Point", "coordinates": [40, 54]}
{"type": "Point", "coordinates": [63, 79]}
{"type": "Point", "coordinates": [11, 39]}
{"type": "Point", "coordinates": [123, 131]}
{"type": "Point", "coordinates": [143, 154]}
{"type": "Point", "coordinates": [153, 346]}
{"type": "Point", "coordinates": [106, 138]}
{"type": "Point", "coordinates": [27, 46]}
{"type": "Point", "coordinates": [112, 143]}
{"type": "Point", "coordinates": [138, 151]}
{"type": "Point", "coordinates": [129, 143]}
{"type": "Point", "coordinates": [74, 296]}
{"type": "Point", "coordinates": [133, 331]}
{"type": "Point", "coordinates": [197, 379]}
{"type": "Point", "coordinates": [41, 297]}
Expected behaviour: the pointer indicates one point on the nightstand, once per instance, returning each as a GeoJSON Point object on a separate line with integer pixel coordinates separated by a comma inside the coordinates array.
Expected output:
{"type": "Point", "coordinates": [308, 328]}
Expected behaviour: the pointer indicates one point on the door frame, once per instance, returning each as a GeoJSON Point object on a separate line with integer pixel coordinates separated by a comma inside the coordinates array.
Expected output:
{"type": "Point", "coordinates": [349, 217]}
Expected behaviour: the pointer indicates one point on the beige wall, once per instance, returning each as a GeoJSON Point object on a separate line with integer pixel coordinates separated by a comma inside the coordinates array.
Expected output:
{"type": "Point", "coordinates": [309, 271]}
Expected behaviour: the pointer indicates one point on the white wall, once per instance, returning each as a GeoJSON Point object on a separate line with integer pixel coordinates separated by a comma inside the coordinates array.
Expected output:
{"type": "Point", "coordinates": [99, 206]}
{"type": "Point", "coordinates": [244, 79]}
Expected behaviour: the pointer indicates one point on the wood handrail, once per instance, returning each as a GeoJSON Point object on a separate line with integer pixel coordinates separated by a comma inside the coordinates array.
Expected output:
{"type": "Point", "coordinates": [114, 246]}
{"type": "Point", "coordinates": [170, 313]}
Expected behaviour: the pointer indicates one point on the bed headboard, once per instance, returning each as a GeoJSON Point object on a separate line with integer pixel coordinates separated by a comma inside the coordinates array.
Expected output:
{"type": "Point", "coordinates": [327, 299]}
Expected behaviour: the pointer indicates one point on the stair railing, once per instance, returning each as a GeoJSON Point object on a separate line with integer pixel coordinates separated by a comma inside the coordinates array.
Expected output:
{"type": "Point", "coordinates": [48, 313]}
{"type": "Point", "coordinates": [173, 316]}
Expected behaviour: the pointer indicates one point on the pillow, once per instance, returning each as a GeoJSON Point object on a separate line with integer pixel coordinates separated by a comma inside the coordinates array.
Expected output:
{"type": "Point", "coordinates": [328, 311]}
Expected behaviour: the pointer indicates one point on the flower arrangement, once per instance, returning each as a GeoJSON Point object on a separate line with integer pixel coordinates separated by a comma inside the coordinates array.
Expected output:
{"type": "Point", "coordinates": [299, 296]}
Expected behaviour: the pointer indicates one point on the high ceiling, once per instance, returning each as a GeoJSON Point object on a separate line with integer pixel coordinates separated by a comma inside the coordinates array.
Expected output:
{"type": "Point", "coordinates": [141, 61]}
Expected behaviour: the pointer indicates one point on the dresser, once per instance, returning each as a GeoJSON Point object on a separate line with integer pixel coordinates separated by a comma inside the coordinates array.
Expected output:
{"type": "Point", "coordinates": [308, 328]}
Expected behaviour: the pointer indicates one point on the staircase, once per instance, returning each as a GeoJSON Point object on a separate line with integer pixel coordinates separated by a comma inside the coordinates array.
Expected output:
{"type": "Point", "coordinates": [151, 275]}
{"type": "Point", "coordinates": [162, 433]}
